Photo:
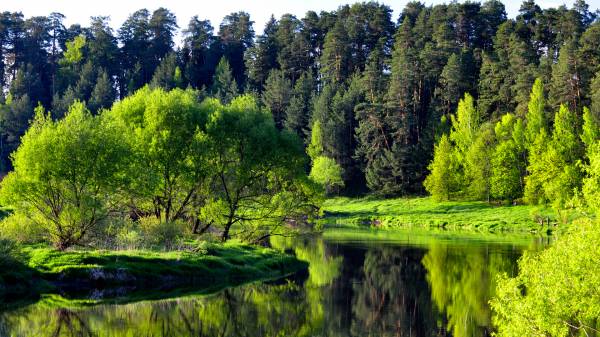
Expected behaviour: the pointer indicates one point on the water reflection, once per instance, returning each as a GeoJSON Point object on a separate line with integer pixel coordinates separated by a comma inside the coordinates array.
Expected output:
{"type": "Point", "coordinates": [353, 289]}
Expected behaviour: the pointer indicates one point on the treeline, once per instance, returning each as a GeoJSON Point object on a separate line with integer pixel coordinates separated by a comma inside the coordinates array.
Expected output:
{"type": "Point", "coordinates": [380, 91]}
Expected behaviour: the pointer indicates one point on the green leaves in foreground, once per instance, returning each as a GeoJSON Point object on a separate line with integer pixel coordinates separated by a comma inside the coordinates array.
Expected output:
{"type": "Point", "coordinates": [557, 293]}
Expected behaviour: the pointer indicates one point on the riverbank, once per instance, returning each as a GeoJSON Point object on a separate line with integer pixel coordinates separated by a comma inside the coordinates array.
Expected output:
{"type": "Point", "coordinates": [424, 212]}
{"type": "Point", "coordinates": [44, 270]}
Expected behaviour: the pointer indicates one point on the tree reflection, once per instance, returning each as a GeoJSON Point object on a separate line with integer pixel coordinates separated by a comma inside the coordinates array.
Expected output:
{"type": "Point", "coordinates": [391, 301]}
{"type": "Point", "coordinates": [351, 290]}
{"type": "Point", "coordinates": [462, 282]}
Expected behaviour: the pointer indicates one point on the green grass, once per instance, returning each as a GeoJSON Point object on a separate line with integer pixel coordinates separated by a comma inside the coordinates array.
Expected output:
{"type": "Point", "coordinates": [425, 212]}
{"type": "Point", "coordinates": [212, 267]}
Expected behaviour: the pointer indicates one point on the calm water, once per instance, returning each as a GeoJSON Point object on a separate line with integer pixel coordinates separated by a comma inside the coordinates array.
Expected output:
{"type": "Point", "coordinates": [359, 284]}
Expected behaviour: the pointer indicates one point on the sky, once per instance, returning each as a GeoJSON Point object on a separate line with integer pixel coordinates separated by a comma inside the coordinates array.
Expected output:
{"type": "Point", "coordinates": [79, 11]}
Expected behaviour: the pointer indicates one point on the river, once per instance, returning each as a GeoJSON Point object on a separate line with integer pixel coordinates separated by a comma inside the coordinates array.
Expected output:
{"type": "Point", "coordinates": [359, 283]}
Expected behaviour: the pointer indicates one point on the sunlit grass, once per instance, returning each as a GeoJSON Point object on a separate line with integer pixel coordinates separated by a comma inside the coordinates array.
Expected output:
{"type": "Point", "coordinates": [425, 212]}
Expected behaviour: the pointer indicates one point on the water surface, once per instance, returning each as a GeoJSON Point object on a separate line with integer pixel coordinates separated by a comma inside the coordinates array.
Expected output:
{"type": "Point", "coordinates": [360, 283]}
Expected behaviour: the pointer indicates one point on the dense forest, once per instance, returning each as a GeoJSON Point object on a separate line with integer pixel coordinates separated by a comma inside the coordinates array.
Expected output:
{"type": "Point", "coordinates": [370, 96]}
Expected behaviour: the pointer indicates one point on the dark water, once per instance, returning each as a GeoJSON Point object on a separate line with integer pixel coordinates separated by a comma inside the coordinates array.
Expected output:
{"type": "Point", "coordinates": [358, 284]}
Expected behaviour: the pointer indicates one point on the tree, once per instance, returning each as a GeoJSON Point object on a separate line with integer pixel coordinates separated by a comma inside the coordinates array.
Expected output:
{"type": "Point", "coordinates": [277, 95]}
{"type": "Point", "coordinates": [257, 174]}
{"type": "Point", "coordinates": [199, 52]}
{"type": "Point", "coordinates": [103, 94]}
{"type": "Point", "coordinates": [335, 61]}
{"type": "Point", "coordinates": [440, 183]}
{"type": "Point", "coordinates": [168, 166]}
{"type": "Point", "coordinates": [236, 35]}
{"type": "Point", "coordinates": [508, 159]}
{"type": "Point", "coordinates": [297, 115]}
{"type": "Point", "coordinates": [556, 169]}
{"type": "Point", "coordinates": [262, 57]}
{"type": "Point", "coordinates": [168, 74]}
{"type": "Point", "coordinates": [565, 87]}
{"type": "Point", "coordinates": [224, 86]}
{"type": "Point", "coordinates": [326, 172]}
{"type": "Point", "coordinates": [465, 125]}
{"type": "Point", "coordinates": [478, 164]}
{"type": "Point", "coordinates": [63, 173]}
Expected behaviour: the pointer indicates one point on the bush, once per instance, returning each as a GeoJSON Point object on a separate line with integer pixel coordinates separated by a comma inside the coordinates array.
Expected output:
{"type": "Point", "coordinates": [168, 234]}
{"type": "Point", "coordinates": [22, 229]}
{"type": "Point", "coordinates": [556, 291]}
{"type": "Point", "coordinates": [10, 254]}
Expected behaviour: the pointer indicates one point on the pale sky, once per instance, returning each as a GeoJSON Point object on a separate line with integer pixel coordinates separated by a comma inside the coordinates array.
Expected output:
{"type": "Point", "coordinates": [79, 11]}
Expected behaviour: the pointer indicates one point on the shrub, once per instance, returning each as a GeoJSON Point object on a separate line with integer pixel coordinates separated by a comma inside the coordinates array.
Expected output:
{"type": "Point", "coordinates": [556, 291]}
{"type": "Point", "coordinates": [22, 229]}
{"type": "Point", "coordinates": [161, 233]}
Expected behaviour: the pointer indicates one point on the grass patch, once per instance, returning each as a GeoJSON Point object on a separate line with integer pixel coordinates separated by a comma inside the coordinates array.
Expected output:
{"type": "Point", "coordinates": [213, 266]}
{"type": "Point", "coordinates": [427, 213]}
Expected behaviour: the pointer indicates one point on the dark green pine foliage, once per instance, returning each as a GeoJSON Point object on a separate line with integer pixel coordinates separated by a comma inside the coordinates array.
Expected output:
{"type": "Point", "coordinates": [565, 87]}
{"type": "Point", "coordinates": [297, 115]}
{"type": "Point", "coordinates": [103, 94]}
{"type": "Point", "coordinates": [168, 74]}
{"type": "Point", "coordinates": [374, 130]}
{"type": "Point", "coordinates": [136, 63]}
{"type": "Point", "coordinates": [262, 57]}
{"type": "Point", "coordinates": [277, 95]}
{"type": "Point", "coordinates": [15, 115]}
{"type": "Point", "coordinates": [403, 102]}
{"type": "Point", "coordinates": [224, 86]}
{"type": "Point", "coordinates": [198, 54]}
{"type": "Point", "coordinates": [335, 61]}
{"type": "Point", "coordinates": [236, 36]}
{"type": "Point", "coordinates": [334, 110]}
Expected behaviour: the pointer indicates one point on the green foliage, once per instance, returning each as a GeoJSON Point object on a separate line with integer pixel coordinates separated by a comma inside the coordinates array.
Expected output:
{"type": "Point", "coordinates": [257, 172]}
{"type": "Point", "coordinates": [277, 95]}
{"type": "Point", "coordinates": [478, 164]}
{"type": "Point", "coordinates": [440, 183]}
{"type": "Point", "coordinates": [315, 147]}
{"type": "Point", "coordinates": [167, 134]}
{"type": "Point", "coordinates": [465, 125]}
{"type": "Point", "coordinates": [73, 54]}
{"type": "Point", "coordinates": [326, 172]}
{"type": "Point", "coordinates": [508, 159]}
{"type": "Point", "coordinates": [224, 86]}
{"type": "Point", "coordinates": [63, 172]}
{"type": "Point", "coordinates": [591, 183]}
{"type": "Point", "coordinates": [556, 291]}
{"type": "Point", "coordinates": [22, 229]}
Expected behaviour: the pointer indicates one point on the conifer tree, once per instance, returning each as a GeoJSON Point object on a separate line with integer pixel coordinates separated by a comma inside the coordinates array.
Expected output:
{"type": "Point", "coordinates": [277, 95]}
{"type": "Point", "coordinates": [224, 86]}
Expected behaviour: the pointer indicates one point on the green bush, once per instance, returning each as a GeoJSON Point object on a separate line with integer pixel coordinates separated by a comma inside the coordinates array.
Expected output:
{"type": "Point", "coordinates": [556, 292]}
{"type": "Point", "coordinates": [22, 229]}
{"type": "Point", "coordinates": [167, 234]}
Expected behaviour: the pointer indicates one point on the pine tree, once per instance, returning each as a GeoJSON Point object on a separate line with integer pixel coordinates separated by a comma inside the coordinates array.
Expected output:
{"type": "Point", "coordinates": [335, 61]}
{"type": "Point", "coordinates": [595, 97]}
{"type": "Point", "coordinates": [277, 95]}
{"type": "Point", "coordinates": [167, 74]}
{"type": "Point", "coordinates": [297, 115]}
{"type": "Point", "coordinates": [262, 57]}
{"type": "Point", "coordinates": [565, 87]}
{"type": "Point", "coordinates": [224, 86]}
{"type": "Point", "coordinates": [103, 94]}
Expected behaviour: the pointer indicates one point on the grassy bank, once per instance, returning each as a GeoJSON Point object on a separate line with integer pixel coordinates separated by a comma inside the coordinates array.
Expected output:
{"type": "Point", "coordinates": [211, 267]}
{"type": "Point", "coordinates": [424, 212]}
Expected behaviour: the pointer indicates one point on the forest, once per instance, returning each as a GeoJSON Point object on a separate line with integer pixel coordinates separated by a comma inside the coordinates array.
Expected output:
{"type": "Point", "coordinates": [154, 148]}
